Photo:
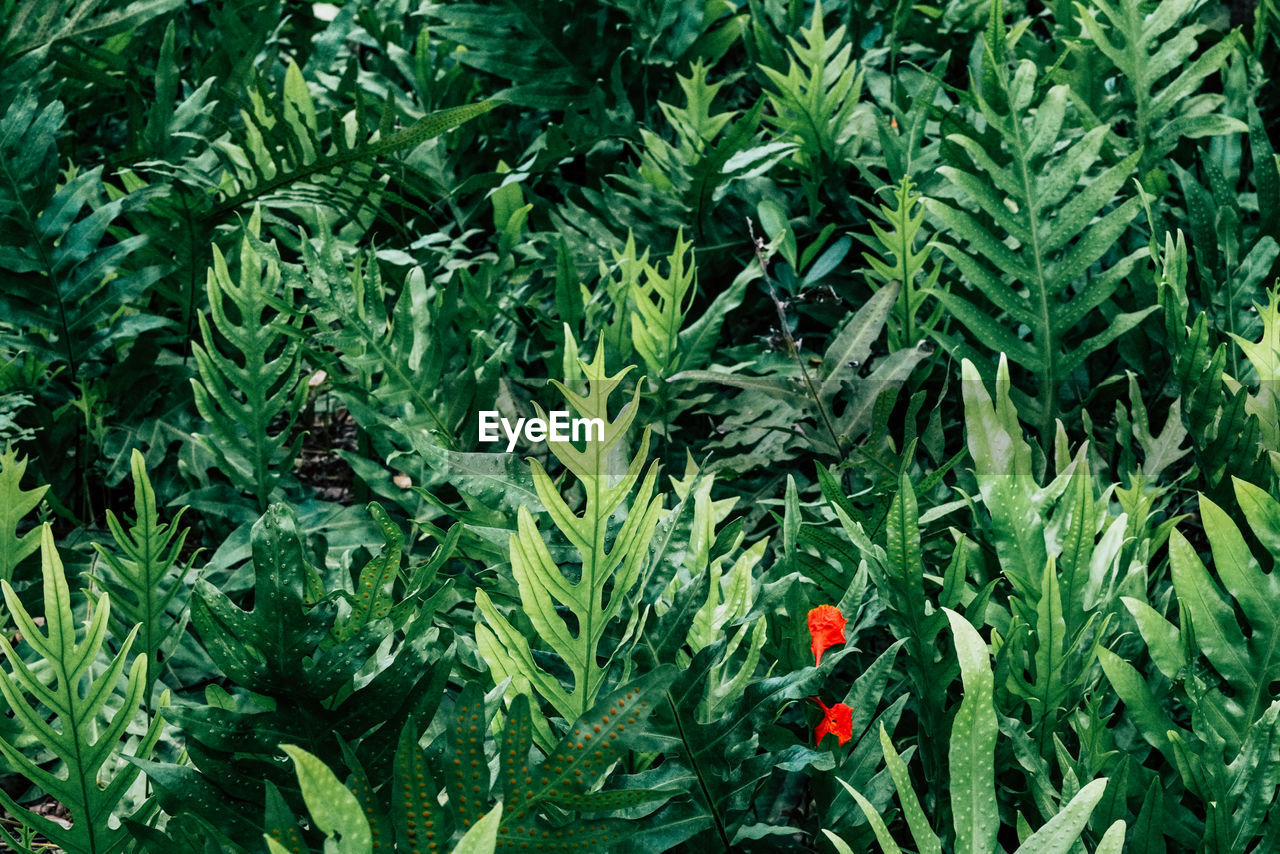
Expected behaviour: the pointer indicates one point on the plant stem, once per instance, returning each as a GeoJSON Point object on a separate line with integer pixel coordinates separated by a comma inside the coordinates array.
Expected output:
{"type": "Point", "coordinates": [757, 244]}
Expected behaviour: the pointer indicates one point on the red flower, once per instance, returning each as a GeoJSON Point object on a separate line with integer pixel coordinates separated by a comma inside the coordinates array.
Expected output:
{"type": "Point", "coordinates": [836, 719]}
{"type": "Point", "coordinates": [826, 625]}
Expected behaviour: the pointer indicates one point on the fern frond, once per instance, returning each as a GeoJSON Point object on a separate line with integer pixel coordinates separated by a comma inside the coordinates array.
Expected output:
{"type": "Point", "coordinates": [250, 391]}
{"type": "Point", "coordinates": [1223, 433]}
{"type": "Point", "coordinates": [144, 574]}
{"type": "Point", "coordinates": [1161, 83]}
{"type": "Point", "coordinates": [15, 503]}
{"type": "Point", "coordinates": [776, 404]}
{"type": "Point", "coordinates": [376, 351]}
{"type": "Point", "coordinates": [286, 141]}
{"type": "Point", "coordinates": [684, 179]}
{"type": "Point", "coordinates": [335, 810]}
{"type": "Point", "coordinates": [661, 305]}
{"type": "Point", "coordinates": [1264, 355]}
{"type": "Point", "coordinates": [382, 350]}
{"type": "Point", "coordinates": [36, 24]}
{"type": "Point", "coordinates": [87, 741]}
{"type": "Point", "coordinates": [817, 99]}
{"type": "Point", "coordinates": [897, 259]}
{"type": "Point", "coordinates": [971, 766]}
{"type": "Point", "coordinates": [1036, 237]}
{"type": "Point", "coordinates": [732, 593]}
{"type": "Point", "coordinates": [413, 812]}
{"type": "Point", "coordinates": [521, 42]}
{"type": "Point", "coordinates": [601, 591]}
{"type": "Point", "coordinates": [68, 283]}
{"type": "Point", "coordinates": [1233, 261]}
{"type": "Point", "coordinates": [334, 669]}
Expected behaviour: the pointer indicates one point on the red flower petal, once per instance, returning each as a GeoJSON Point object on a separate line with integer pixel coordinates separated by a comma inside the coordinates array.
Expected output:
{"type": "Point", "coordinates": [826, 625]}
{"type": "Point", "coordinates": [836, 719]}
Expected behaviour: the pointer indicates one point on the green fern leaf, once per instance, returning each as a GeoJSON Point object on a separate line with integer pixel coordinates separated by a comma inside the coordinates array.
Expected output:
{"type": "Point", "coordinates": [661, 304]}
{"type": "Point", "coordinates": [68, 285]}
{"type": "Point", "coordinates": [84, 738]}
{"type": "Point", "coordinates": [818, 98]}
{"type": "Point", "coordinates": [616, 565]}
{"type": "Point", "coordinates": [1230, 705]}
{"type": "Point", "coordinates": [972, 769]}
{"type": "Point", "coordinates": [1224, 435]}
{"type": "Point", "coordinates": [36, 24]}
{"type": "Point", "coordinates": [282, 144]}
{"type": "Point", "coordinates": [335, 811]}
{"type": "Point", "coordinates": [15, 503]}
{"type": "Point", "coordinates": [841, 402]}
{"type": "Point", "coordinates": [530, 791]}
{"type": "Point", "coordinates": [416, 813]}
{"type": "Point", "coordinates": [1264, 356]}
{"type": "Point", "coordinates": [250, 391]}
{"type": "Point", "coordinates": [144, 574]}
{"type": "Point", "coordinates": [325, 665]}
{"type": "Point", "coordinates": [572, 768]}
{"type": "Point", "coordinates": [1036, 236]}
{"type": "Point", "coordinates": [726, 570]}
{"type": "Point", "coordinates": [1159, 83]}
{"type": "Point", "coordinates": [897, 259]}
{"type": "Point", "coordinates": [1248, 665]}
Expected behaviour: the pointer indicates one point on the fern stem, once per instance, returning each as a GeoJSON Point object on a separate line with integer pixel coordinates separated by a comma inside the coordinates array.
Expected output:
{"type": "Point", "coordinates": [75, 726]}
{"type": "Point", "coordinates": [792, 350]}
{"type": "Point", "coordinates": [693, 761]}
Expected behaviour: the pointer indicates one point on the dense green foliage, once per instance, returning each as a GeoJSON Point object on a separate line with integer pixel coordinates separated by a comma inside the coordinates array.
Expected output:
{"type": "Point", "coordinates": [961, 318]}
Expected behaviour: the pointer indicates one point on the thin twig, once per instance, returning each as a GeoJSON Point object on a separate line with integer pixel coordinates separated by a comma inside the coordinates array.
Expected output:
{"type": "Point", "coordinates": [758, 245]}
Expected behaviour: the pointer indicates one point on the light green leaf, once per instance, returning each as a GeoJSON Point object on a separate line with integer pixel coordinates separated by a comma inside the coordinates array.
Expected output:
{"type": "Point", "coordinates": [15, 503]}
{"type": "Point", "coordinates": [482, 838]}
{"type": "Point", "coordinates": [334, 809]}
{"type": "Point", "coordinates": [1062, 832]}
{"type": "Point", "coordinates": [973, 744]}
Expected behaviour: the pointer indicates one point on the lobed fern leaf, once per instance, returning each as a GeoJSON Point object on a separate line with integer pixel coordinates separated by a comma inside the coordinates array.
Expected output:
{"type": "Point", "coordinates": [610, 565]}
{"type": "Point", "coordinates": [250, 390]}
{"type": "Point", "coordinates": [714, 558]}
{"type": "Point", "coordinates": [412, 813]}
{"type": "Point", "coordinates": [1228, 758]}
{"type": "Point", "coordinates": [327, 662]}
{"type": "Point", "coordinates": [384, 350]}
{"type": "Point", "coordinates": [144, 574]}
{"type": "Point", "coordinates": [334, 810]}
{"type": "Point", "coordinates": [1030, 250]}
{"type": "Point", "coordinates": [1224, 434]}
{"type": "Point", "coordinates": [15, 503]}
{"type": "Point", "coordinates": [896, 259]}
{"type": "Point", "coordinates": [68, 282]}
{"type": "Point", "coordinates": [662, 303]}
{"type": "Point", "coordinates": [1264, 356]}
{"type": "Point", "coordinates": [84, 739]}
{"type": "Point", "coordinates": [773, 405]}
{"type": "Point", "coordinates": [521, 43]}
{"type": "Point", "coordinates": [817, 100]}
{"type": "Point", "coordinates": [282, 143]}
{"type": "Point", "coordinates": [36, 24]}
{"type": "Point", "coordinates": [712, 150]}
{"type": "Point", "coordinates": [1159, 84]}
{"type": "Point", "coordinates": [972, 786]}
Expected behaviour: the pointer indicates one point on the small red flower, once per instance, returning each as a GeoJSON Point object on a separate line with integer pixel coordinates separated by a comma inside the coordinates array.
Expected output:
{"type": "Point", "coordinates": [836, 719]}
{"type": "Point", "coordinates": [826, 625]}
